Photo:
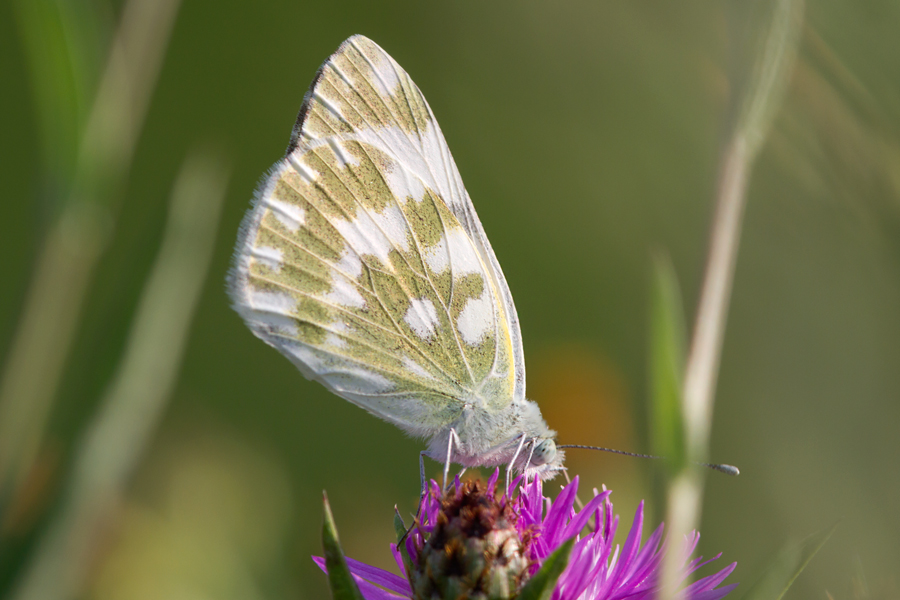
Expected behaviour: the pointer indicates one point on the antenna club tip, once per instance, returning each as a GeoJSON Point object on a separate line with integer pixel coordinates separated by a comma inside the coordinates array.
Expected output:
{"type": "Point", "coordinates": [729, 470]}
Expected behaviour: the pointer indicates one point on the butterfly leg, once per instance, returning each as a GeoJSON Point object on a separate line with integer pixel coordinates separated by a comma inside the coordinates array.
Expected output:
{"type": "Point", "coordinates": [531, 454]}
{"type": "Point", "coordinates": [509, 467]}
{"type": "Point", "coordinates": [422, 491]}
{"type": "Point", "coordinates": [422, 475]}
{"type": "Point", "coordinates": [450, 440]}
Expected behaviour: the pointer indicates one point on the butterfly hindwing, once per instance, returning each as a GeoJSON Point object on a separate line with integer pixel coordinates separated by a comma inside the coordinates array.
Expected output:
{"type": "Point", "coordinates": [363, 261]}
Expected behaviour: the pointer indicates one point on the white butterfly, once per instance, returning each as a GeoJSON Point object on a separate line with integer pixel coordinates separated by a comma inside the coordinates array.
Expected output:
{"type": "Point", "coordinates": [363, 262]}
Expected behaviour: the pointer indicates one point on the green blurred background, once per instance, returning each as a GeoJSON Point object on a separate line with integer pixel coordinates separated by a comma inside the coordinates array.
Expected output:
{"type": "Point", "coordinates": [588, 135]}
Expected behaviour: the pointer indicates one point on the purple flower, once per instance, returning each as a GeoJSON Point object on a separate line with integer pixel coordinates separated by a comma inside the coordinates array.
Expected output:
{"type": "Point", "coordinates": [471, 543]}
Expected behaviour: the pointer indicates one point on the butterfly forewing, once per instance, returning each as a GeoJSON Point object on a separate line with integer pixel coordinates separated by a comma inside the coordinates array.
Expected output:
{"type": "Point", "coordinates": [363, 261]}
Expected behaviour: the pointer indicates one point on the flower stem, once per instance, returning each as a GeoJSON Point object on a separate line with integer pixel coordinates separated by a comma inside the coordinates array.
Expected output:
{"type": "Point", "coordinates": [773, 69]}
{"type": "Point", "coordinates": [137, 395]}
{"type": "Point", "coordinates": [77, 238]}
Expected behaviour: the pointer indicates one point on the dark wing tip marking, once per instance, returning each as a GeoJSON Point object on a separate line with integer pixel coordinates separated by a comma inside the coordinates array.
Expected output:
{"type": "Point", "coordinates": [308, 96]}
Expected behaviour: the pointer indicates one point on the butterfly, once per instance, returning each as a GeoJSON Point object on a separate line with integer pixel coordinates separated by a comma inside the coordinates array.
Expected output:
{"type": "Point", "coordinates": [363, 262]}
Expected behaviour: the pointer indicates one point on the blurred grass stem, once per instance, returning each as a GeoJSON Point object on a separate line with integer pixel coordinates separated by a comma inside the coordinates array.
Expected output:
{"type": "Point", "coordinates": [702, 367]}
{"type": "Point", "coordinates": [136, 397]}
{"type": "Point", "coordinates": [78, 236]}
{"type": "Point", "coordinates": [771, 75]}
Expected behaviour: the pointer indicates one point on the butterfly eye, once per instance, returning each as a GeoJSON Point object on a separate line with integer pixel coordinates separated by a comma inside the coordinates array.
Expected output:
{"type": "Point", "coordinates": [544, 452]}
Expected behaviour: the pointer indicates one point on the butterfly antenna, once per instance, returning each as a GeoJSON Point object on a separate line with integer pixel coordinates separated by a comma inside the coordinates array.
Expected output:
{"type": "Point", "coordinates": [721, 468]}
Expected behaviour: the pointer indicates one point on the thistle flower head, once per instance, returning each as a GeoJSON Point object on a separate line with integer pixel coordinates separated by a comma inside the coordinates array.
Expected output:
{"type": "Point", "coordinates": [475, 542]}
{"type": "Point", "coordinates": [472, 548]}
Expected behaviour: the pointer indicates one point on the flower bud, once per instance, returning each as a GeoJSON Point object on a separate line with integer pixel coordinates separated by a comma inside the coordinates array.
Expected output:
{"type": "Point", "coordinates": [474, 550]}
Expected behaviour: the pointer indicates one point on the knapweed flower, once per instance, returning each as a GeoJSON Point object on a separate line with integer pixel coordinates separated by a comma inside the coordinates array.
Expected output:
{"type": "Point", "coordinates": [471, 542]}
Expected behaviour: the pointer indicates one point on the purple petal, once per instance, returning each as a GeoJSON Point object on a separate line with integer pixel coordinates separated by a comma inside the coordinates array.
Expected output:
{"type": "Point", "coordinates": [695, 564]}
{"type": "Point", "coordinates": [624, 567]}
{"type": "Point", "coordinates": [373, 592]}
{"type": "Point", "coordinates": [588, 575]}
{"type": "Point", "coordinates": [515, 484]}
{"type": "Point", "coordinates": [690, 544]}
{"type": "Point", "coordinates": [411, 547]}
{"type": "Point", "coordinates": [699, 562]}
{"type": "Point", "coordinates": [320, 561]}
{"type": "Point", "coordinates": [649, 557]}
{"type": "Point", "coordinates": [559, 514]}
{"type": "Point", "coordinates": [711, 581]}
{"type": "Point", "coordinates": [528, 505]}
{"type": "Point", "coordinates": [611, 520]}
{"type": "Point", "coordinates": [364, 572]}
{"type": "Point", "coordinates": [534, 512]}
{"type": "Point", "coordinates": [398, 558]}
{"type": "Point", "coordinates": [385, 579]}
{"type": "Point", "coordinates": [715, 594]}
{"type": "Point", "coordinates": [575, 577]}
{"type": "Point", "coordinates": [588, 565]}
{"type": "Point", "coordinates": [492, 482]}
{"type": "Point", "coordinates": [581, 519]}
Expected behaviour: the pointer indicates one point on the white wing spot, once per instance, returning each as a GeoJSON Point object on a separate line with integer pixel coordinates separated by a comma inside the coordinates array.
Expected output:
{"type": "Point", "coordinates": [433, 146]}
{"type": "Point", "coordinates": [415, 368]}
{"type": "Point", "coordinates": [345, 294]}
{"type": "Point", "coordinates": [274, 302]}
{"type": "Point", "coordinates": [268, 256]}
{"type": "Point", "coordinates": [365, 237]}
{"type": "Point", "coordinates": [402, 184]}
{"type": "Point", "coordinates": [342, 376]}
{"type": "Point", "coordinates": [343, 157]}
{"type": "Point", "coordinates": [462, 253]}
{"type": "Point", "coordinates": [339, 326]}
{"type": "Point", "coordinates": [350, 264]}
{"type": "Point", "coordinates": [290, 216]}
{"type": "Point", "coordinates": [421, 317]}
{"type": "Point", "coordinates": [336, 336]}
{"type": "Point", "coordinates": [306, 173]}
{"type": "Point", "coordinates": [419, 154]}
{"type": "Point", "coordinates": [363, 380]}
{"type": "Point", "coordinates": [335, 341]}
{"type": "Point", "coordinates": [474, 320]}
{"type": "Point", "coordinates": [270, 310]}
{"type": "Point", "coordinates": [329, 106]}
{"type": "Point", "coordinates": [436, 256]}
{"type": "Point", "coordinates": [343, 290]}
{"type": "Point", "coordinates": [393, 224]}
{"type": "Point", "coordinates": [385, 78]}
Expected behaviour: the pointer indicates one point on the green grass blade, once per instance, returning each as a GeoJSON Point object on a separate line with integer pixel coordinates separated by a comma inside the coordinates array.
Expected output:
{"type": "Point", "coordinates": [667, 350]}
{"type": "Point", "coordinates": [787, 566]}
{"type": "Point", "coordinates": [399, 526]}
{"type": "Point", "coordinates": [339, 579]}
{"type": "Point", "coordinates": [135, 400]}
{"type": "Point", "coordinates": [63, 45]}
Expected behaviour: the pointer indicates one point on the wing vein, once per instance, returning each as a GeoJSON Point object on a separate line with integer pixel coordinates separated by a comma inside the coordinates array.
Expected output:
{"type": "Point", "coordinates": [374, 291]}
{"type": "Point", "coordinates": [324, 261]}
{"type": "Point", "coordinates": [406, 167]}
{"type": "Point", "coordinates": [393, 114]}
{"type": "Point", "coordinates": [344, 311]}
{"type": "Point", "coordinates": [362, 342]}
{"type": "Point", "coordinates": [400, 280]}
{"type": "Point", "coordinates": [386, 148]}
{"type": "Point", "coordinates": [424, 275]}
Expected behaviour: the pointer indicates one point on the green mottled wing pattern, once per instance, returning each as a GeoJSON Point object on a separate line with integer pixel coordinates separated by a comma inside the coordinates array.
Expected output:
{"type": "Point", "coordinates": [363, 261]}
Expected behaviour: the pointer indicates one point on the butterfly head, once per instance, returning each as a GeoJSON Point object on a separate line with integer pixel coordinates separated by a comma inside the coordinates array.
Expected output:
{"type": "Point", "coordinates": [544, 452]}
{"type": "Point", "coordinates": [546, 460]}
